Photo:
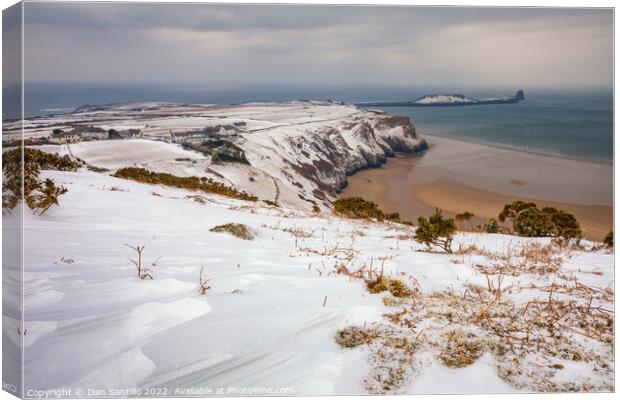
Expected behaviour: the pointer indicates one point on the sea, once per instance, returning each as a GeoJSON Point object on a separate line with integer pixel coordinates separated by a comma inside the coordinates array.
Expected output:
{"type": "Point", "coordinates": [576, 123]}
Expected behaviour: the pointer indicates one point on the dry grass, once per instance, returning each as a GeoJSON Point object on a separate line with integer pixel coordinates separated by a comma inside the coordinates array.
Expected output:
{"type": "Point", "coordinates": [569, 323]}
{"type": "Point", "coordinates": [196, 199]}
{"type": "Point", "coordinates": [461, 349]}
{"type": "Point", "coordinates": [299, 232]}
{"type": "Point", "coordinates": [565, 321]}
{"type": "Point", "coordinates": [394, 286]}
{"type": "Point", "coordinates": [530, 257]}
{"type": "Point", "coordinates": [391, 353]}
{"type": "Point", "coordinates": [337, 252]}
{"type": "Point", "coordinates": [355, 336]}
{"type": "Point", "coordinates": [237, 230]}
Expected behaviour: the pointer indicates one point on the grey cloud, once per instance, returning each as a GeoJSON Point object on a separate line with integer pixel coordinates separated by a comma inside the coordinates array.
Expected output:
{"type": "Point", "coordinates": [132, 42]}
{"type": "Point", "coordinates": [287, 17]}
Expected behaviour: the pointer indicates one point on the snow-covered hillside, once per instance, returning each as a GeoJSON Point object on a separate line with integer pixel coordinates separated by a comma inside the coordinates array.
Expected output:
{"type": "Point", "coordinates": [296, 154]}
{"type": "Point", "coordinates": [276, 303]}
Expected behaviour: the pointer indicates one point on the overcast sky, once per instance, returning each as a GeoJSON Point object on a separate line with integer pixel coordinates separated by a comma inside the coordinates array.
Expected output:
{"type": "Point", "coordinates": [309, 45]}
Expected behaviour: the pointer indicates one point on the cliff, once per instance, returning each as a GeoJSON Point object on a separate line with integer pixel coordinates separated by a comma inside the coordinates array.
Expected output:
{"type": "Point", "coordinates": [297, 154]}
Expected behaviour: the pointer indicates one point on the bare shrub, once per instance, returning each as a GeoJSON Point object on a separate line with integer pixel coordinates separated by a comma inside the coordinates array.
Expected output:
{"type": "Point", "coordinates": [142, 271]}
{"type": "Point", "coordinates": [203, 286]}
{"type": "Point", "coordinates": [462, 217]}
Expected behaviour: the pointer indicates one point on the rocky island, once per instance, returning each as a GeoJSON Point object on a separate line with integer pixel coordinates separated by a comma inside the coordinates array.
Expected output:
{"type": "Point", "coordinates": [437, 100]}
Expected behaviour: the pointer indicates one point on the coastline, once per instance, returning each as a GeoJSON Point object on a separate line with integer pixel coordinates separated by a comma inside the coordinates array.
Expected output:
{"type": "Point", "coordinates": [529, 150]}
{"type": "Point", "coordinates": [462, 176]}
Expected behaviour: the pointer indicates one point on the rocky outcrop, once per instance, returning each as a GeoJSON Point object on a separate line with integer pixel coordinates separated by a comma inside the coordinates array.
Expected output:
{"type": "Point", "coordinates": [442, 100]}
{"type": "Point", "coordinates": [322, 158]}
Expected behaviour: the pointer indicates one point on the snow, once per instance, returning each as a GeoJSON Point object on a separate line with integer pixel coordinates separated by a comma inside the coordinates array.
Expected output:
{"type": "Point", "coordinates": [326, 141]}
{"type": "Point", "coordinates": [274, 305]}
{"type": "Point", "coordinates": [439, 379]}
{"type": "Point", "coordinates": [115, 154]}
{"type": "Point", "coordinates": [443, 99]}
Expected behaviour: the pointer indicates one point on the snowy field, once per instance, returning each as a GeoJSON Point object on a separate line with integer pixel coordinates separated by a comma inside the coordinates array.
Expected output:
{"type": "Point", "coordinates": [501, 314]}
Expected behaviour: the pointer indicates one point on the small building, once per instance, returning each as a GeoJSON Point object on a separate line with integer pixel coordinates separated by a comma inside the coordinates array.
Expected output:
{"type": "Point", "coordinates": [125, 133]}
{"type": "Point", "coordinates": [90, 132]}
{"type": "Point", "coordinates": [187, 137]}
{"type": "Point", "coordinates": [61, 137]}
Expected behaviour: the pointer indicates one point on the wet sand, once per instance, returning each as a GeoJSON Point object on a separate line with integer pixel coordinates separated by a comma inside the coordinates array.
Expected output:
{"type": "Point", "coordinates": [459, 176]}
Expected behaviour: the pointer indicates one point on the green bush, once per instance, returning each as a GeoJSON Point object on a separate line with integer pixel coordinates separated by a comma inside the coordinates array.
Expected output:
{"type": "Point", "coordinates": [24, 184]}
{"type": "Point", "coordinates": [190, 183]}
{"type": "Point", "coordinates": [436, 230]}
{"type": "Point", "coordinates": [609, 240]}
{"type": "Point", "coordinates": [565, 225]}
{"type": "Point", "coordinates": [357, 207]}
{"type": "Point", "coordinates": [491, 226]}
{"type": "Point", "coordinates": [511, 210]}
{"type": "Point", "coordinates": [530, 221]}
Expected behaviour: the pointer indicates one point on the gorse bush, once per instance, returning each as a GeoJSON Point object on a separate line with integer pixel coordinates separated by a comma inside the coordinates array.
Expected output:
{"type": "Point", "coordinates": [204, 184]}
{"type": "Point", "coordinates": [436, 230]}
{"type": "Point", "coordinates": [530, 221]}
{"type": "Point", "coordinates": [357, 207]}
{"type": "Point", "coordinates": [491, 226]}
{"type": "Point", "coordinates": [608, 241]}
{"type": "Point", "coordinates": [565, 225]}
{"type": "Point", "coordinates": [39, 195]}
{"type": "Point", "coordinates": [511, 210]}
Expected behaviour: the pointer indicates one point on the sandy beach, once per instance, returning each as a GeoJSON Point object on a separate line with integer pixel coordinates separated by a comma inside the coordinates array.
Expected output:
{"type": "Point", "coordinates": [460, 176]}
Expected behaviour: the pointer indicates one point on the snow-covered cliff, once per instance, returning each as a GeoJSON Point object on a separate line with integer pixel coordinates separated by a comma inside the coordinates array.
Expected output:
{"type": "Point", "coordinates": [297, 154]}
